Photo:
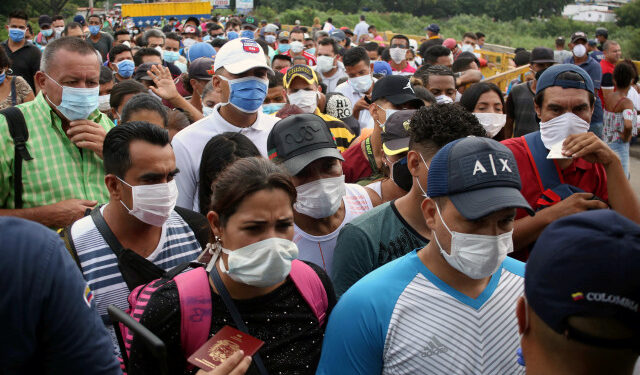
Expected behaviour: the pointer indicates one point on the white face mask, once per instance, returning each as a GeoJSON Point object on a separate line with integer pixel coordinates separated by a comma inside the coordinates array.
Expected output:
{"type": "Point", "coordinates": [477, 256]}
{"type": "Point", "coordinates": [320, 198]}
{"type": "Point", "coordinates": [558, 128]}
{"type": "Point", "coordinates": [306, 100]}
{"type": "Point", "coordinates": [398, 54]}
{"type": "Point", "coordinates": [387, 113]}
{"type": "Point", "coordinates": [467, 48]}
{"type": "Point", "coordinates": [325, 64]}
{"type": "Point", "coordinates": [188, 42]}
{"type": "Point", "coordinates": [58, 30]}
{"type": "Point", "coordinates": [491, 122]}
{"type": "Point", "coordinates": [261, 264]}
{"type": "Point", "coordinates": [443, 99]}
{"type": "Point", "coordinates": [103, 102]}
{"type": "Point", "coordinates": [361, 84]}
{"type": "Point", "coordinates": [579, 50]}
{"type": "Point", "coordinates": [152, 204]}
{"type": "Point", "coordinates": [206, 111]}
{"type": "Point", "coordinates": [296, 47]}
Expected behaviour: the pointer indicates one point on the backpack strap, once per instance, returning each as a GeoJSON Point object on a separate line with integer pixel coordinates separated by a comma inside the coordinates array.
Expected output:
{"type": "Point", "coordinates": [14, 92]}
{"type": "Point", "coordinates": [195, 309]}
{"type": "Point", "coordinates": [65, 234]}
{"type": "Point", "coordinates": [198, 224]}
{"type": "Point", "coordinates": [310, 286]}
{"type": "Point", "coordinates": [20, 134]}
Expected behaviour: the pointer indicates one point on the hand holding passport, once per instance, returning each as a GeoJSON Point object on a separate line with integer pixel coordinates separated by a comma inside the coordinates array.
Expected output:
{"type": "Point", "coordinates": [222, 346]}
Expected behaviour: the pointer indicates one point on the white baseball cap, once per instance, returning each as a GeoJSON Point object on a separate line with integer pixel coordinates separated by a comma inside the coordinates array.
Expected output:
{"type": "Point", "coordinates": [239, 55]}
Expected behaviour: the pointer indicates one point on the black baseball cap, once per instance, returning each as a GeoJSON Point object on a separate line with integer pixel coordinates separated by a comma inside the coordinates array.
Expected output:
{"type": "Point", "coordinates": [141, 72]}
{"type": "Point", "coordinates": [250, 21]}
{"type": "Point", "coordinates": [578, 35]}
{"type": "Point", "coordinates": [601, 31]}
{"type": "Point", "coordinates": [434, 28]}
{"type": "Point", "coordinates": [395, 135]}
{"type": "Point", "coordinates": [45, 20]}
{"type": "Point", "coordinates": [201, 68]}
{"type": "Point", "coordinates": [298, 140]}
{"type": "Point", "coordinates": [542, 55]}
{"type": "Point", "coordinates": [587, 265]}
{"type": "Point", "coordinates": [479, 176]}
{"type": "Point", "coordinates": [396, 89]}
{"type": "Point", "coordinates": [302, 71]}
{"type": "Point", "coordinates": [338, 35]}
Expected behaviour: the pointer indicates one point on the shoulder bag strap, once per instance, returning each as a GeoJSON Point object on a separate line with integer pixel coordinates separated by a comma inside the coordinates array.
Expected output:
{"type": "Point", "coordinates": [106, 232]}
{"type": "Point", "coordinates": [235, 314]}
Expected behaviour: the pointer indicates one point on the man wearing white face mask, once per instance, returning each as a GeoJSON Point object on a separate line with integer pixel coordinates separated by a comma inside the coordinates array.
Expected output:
{"type": "Point", "coordinates": [360, 84]}
{"type": "Point", "coordinates": [301, 89]}
{"type": "Point", "coordinates": [399, 65]}
{"type": "Point", "coordinates": [582, 174]}
{"type": "Point", "coordinates": [304, 145]}
{"type": "Point", "coordinates": [580, 58]}
{"type": "Point", "coordinates": [411, 310]}
{"type": "Point", "coordinates": [241, 79]}
{"type": "Point", "coordinates": [330, 69]}
{"type": "Point", "coordinates": [296, 39]}
{"type": "Point", "coordinates": [140, 169]}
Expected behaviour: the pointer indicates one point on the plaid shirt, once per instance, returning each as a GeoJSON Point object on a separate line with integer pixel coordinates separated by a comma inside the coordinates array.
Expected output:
{"type": "Point", "coordinates": [59, 170]}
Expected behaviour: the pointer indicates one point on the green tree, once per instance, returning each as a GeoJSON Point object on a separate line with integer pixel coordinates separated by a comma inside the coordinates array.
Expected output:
{"type": "Point", "coordinates": [628, 14]}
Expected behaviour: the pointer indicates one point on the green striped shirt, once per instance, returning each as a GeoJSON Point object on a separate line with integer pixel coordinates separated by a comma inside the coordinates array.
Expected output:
{"type": "Point", "coordinates": [59, 170]}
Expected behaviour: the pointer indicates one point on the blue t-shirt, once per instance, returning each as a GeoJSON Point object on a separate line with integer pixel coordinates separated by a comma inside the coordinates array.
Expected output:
{"type": "Point", "coordinates": [47, 313]}
{"type": "Point", "coordinates": [402, 319]}
{"type": "Point", "coordinates": [593, 68]}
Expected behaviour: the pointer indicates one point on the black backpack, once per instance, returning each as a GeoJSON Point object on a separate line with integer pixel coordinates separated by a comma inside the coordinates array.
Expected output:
{"type": "Point", "coordinates": [20, 135]}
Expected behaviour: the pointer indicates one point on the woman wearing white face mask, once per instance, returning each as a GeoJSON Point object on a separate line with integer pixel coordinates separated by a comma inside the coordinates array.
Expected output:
{"type": "Point", "coordinates": [254, 262]}
{"type": "Point", "coordinates": [486, 102]}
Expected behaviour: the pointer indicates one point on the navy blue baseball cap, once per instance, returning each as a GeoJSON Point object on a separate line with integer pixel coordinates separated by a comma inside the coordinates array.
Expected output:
{"type": "Point", "coordinates": [550, 78]}
{"type": "Point", "coordinates": [587, 265]}
{"type": "Point", "coordinates": [479, 175]}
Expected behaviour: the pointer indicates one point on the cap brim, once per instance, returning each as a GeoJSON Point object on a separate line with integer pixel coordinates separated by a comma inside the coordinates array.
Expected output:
{"type": "Point", "coordinates": [297, 163]}
{"type": "Point", "coordinates": [402, 98]}
{"type": "Point", "coordinates": [396, 146]}
{"type": "Point", "coordinates": [577, 39]}
{"type": "Point", "coordinates": [479, 203]}
{"type": "Point", "coordinates": [242, 66]}
{"type": "Point", "coordinates": [309, 80]}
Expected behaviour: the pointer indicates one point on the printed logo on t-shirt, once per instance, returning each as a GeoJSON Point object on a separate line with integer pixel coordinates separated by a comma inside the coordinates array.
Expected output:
{"type": "Point", "coordinates": [434, 347]}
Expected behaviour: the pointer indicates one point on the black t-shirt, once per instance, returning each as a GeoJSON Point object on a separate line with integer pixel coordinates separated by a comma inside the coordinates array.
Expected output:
{"type": "Point", "coordinates": [25, 62]}
{"type": "Point", "coordinates": [282, 319]}
{"type": "Point", "coordinates": [521, 109]}
{"type": "Point", "coordinates": [174, 70]}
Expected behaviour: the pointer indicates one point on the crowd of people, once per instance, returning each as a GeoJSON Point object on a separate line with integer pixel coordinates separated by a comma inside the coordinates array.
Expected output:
{"type": "Point", "coordinates": [360, 205]}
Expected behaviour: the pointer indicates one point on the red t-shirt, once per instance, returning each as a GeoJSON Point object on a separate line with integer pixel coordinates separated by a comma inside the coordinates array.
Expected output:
{"type": "Point", "coordinates": [311, 60]}
{"type": "Point", "coordinates": [589, 177]}
{"type": "Point", "coordinates": [607, 77]}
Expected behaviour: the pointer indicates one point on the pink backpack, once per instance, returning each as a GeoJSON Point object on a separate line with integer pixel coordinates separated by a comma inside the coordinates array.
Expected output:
{"type": "Point", "coordinates": [195, 303]}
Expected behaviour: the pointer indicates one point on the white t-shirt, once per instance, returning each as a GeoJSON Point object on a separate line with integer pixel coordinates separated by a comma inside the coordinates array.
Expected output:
{"type": "Point", "coordinates": [319, 249]}
{"type": "Point", "coordinates": [189, 143]}
{"type": "Point", "coordinates": [635, 98]}
{"type": "Point", "coordinates": [364, 118]}
{"type": "Point", "coordinates": [377, 187]}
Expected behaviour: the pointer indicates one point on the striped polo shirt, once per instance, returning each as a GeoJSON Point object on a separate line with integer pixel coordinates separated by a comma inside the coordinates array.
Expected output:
{"type": "Point", "coordinates": [177, 245]}
{"type": "Point", "coordinates": [402, 319]}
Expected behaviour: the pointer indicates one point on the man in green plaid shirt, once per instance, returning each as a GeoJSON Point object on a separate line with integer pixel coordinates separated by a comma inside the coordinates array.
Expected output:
{"type": "Point", "coordinates": [66, 132]}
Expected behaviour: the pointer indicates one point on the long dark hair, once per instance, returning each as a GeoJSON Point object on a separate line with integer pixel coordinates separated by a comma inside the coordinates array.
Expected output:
{"type": "Point", "coordinates": [221, 151]}
{"type": "Point", "coordinates": [472, 94]}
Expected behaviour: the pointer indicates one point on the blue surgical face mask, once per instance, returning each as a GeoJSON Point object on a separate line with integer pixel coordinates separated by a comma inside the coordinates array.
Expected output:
{"type": "Point", "coordinates": [247, 34]}
{"type": "Point", "coordinates": [16, 34]}
{"type": "Point", "coordinates": [47, 33]}
{"type": "Point", "coordinates": [272, 108]}
{"type": "Point", "coordinates": [125, 68]}
{"type": "Point", "coordinates": [77, 103]}
{"type": "Point", "coordinates": [284, 47]}
{"type": "Point", "coordinates": [231, 35]}
{"type": "Point", "coordinates": [311, 51]}
{"type": "Point", "coordinates": [170, 56]}
{"type": "Point", "coordinates": [247, 94]}
{"type": "Point", "coordinates": [94, 29]}
{"type": "Point", "coordinates": [2, 77]}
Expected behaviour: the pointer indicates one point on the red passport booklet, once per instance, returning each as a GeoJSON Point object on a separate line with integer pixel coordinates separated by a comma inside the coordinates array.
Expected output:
{"type": "Point", "coordinates": [222, 346]}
